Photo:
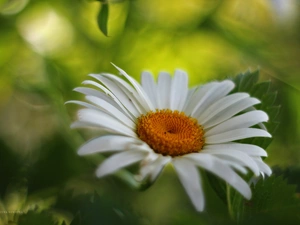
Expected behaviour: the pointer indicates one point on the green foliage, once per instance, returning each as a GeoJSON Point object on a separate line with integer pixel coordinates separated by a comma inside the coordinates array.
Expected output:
{"type": "Point", "coordinates": [247, 82]}
{"type": "Point", "coordinates": [291, 174]}
{"type": "Point", "coordinates": [273, 200]}
{"type": "Point", "coordinates": [93, 209]}
{"type": "Point", "coordinates": [202, 219]}
{"type": "Point", "coordinates": [32, 217]}
{"type": "Point", "coordinates": [102, 18]}
{"type": "Point", "coordinates": [218, 185]}
{"type": "Point", "coordinates": [10, 166]}
{"type": "Point", "coordinates": [265, 196]}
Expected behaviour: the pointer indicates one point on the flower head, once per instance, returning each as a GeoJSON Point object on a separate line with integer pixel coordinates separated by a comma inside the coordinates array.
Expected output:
{"type": "Point", "coordinates": [165, 122]}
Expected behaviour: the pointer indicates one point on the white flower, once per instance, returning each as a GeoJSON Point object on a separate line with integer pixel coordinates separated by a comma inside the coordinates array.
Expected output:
{"type": "Point", "coordinates": [166, 123]}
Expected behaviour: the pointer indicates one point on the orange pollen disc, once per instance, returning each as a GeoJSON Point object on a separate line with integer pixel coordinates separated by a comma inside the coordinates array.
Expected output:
{"type": "Point", "coordinates": [170, 132]}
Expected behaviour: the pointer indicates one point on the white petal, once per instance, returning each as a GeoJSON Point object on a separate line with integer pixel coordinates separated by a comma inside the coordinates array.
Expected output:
{"type": "Point", "coordinates": [93, 92]}
{"type": "Point", "coordinates": [146, 166]}
{"type": "Point", "coordinates": [133, 111]}
{"type": "Point", "coordinates": [106, 108]}
{"type": "Point", "coordinates": [149, 86]}
{"type": "Point", "coordinates": [219, 168]}
{"type": "Point", "coordinates": [179, 90]}
{"type": "Point", "coordinates": [138, 88]}
{"type": "Point", "coordinates": [103, 120]}
{"type": "Point", "coordinates": [197, 95]}
{"type": "Point", "coordinates": [249, 149]}
{"type": "Point", "coordinates": [220, 105]}
{"type": "Point", "coordinates": [163, 90]}
{"type": "Point", "coordinates": [120, 160]}
{"type": "Point", "coordinates": [263, 166]}
{"type": "Point", "coordinates": [242, 121]}
{"type": "Point", "coordinates": [132, 94]}
{"type": "Point", "coordinates": [100, 130]}
{"type": "Point", "coordinates": [189, 97]}
{"type": "Point", "coordinates": [85, 104]}
{"type": "Point", "coordinates": [123, 97]}
{"type": "Point", "coordinates": [154, 168]}
{"type": "Point", "coordinates": [230, 112]}
{"type": "Point", "coordinates": [113, 111]}
{"type": "Point", "coordinates": [158, 167]}
{"type": "Point", "coordinates": [236, 135]}
{"type": "Point", "coordinates": [190, 179]}
{"type": "Point", "coordinates": [235, 156]}
{"type": "Point", "coordinates": [215, 93]}
{"type": "Point", "coordinates": [236, 166]}
{"type": "Point", "coordinates": [261, 125]}
{"type": "Point", "coordinates": [108, 143]}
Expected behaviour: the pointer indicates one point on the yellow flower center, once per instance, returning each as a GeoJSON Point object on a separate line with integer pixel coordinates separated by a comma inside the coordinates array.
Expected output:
{"type": "Point", "coordinates": [170, 132]}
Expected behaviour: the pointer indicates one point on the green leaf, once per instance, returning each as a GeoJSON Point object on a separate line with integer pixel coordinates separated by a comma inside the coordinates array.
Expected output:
{"type": "Point", "coordinates": [273, 111]}
{"type": "Point", "coordinates": [77, 220]}
{"type": "Point", "coordinates": [291, 173]}
{"type": "Point", "coordinates": [237, 204]}
{"type": "Point", "coordinates": [15, 196]}
{"type": "Point", "coordinates": [232, 198]}
{"type": "Point", "coordinates": [270, 97]}
{"type": "Point", "coordinates": [259, 90]}
{"type": "Point", "coordinates": [247, 82]}
{"type": "Point", "coordinates": [93, 209]}
{"type": "Point", "coordinates": [218, 185]}
{"type": "Point", "coordinates": [102, 18]}
{"type": "Point", "coordinates": [32, 217]}
{"type": "Point", "coordinates": [273, 197]}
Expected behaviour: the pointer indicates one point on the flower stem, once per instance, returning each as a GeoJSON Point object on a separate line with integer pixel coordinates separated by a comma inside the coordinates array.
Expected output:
{"type": "Point", "coordinates": [229, 203]}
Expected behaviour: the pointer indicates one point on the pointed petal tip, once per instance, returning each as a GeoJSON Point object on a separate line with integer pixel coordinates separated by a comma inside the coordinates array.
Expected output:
{"type": "Point", "coordinates": [81, 152]}
{"type": "Point", "coordinates": [246, 192]}
{"type": "Point", "coordinates": [78, 124]}
{"type": "Point", "coordinates": [122, 72]}
{"type": "Point", "coordinates": [199, 206]}
{"type": "Point", "coordinates": [85, 82]}
{"type": "Point", "coordinates": [93, 75]}
{"type": "Point", "coordinates": [73, 125]}
{"type": "Point", "coordinates": [181, 71]}
{"type": "Point", "coordinates": [229, 82]}
{"type": "Point", "coordinates": [248, 196]}
{"type": "Point", "coordinates": [71, 102]}
{"type": "Point", "coordinates": [118, 68]}
{"type": "Point", "coordinates": [146, 73]}
{"type": "Point", "coordinates": [99, 173]}
{"type": "Point", "coordinates": [256, 173]}
{"type": "Point", "coordinates": [199, 209]}
{"type": "Point", "coordinates": [268, 173]}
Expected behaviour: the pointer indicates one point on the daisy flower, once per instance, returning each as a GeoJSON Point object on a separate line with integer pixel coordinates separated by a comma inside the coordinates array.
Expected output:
{"type": "Point", "coordinates": [165, 122]}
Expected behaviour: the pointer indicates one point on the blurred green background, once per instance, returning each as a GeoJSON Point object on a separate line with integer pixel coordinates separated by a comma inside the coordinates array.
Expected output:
{"type": "Point", "coordinates": [47, 48]}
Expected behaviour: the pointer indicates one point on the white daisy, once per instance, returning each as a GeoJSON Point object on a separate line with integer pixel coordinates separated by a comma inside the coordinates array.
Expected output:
{"type": "Point", "coordinates": [164, 122]}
